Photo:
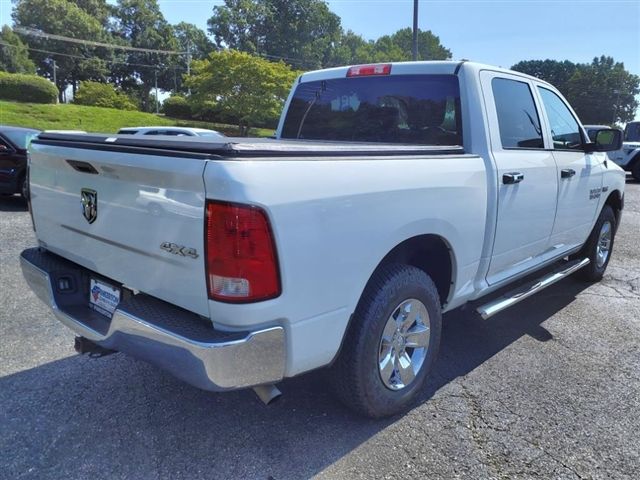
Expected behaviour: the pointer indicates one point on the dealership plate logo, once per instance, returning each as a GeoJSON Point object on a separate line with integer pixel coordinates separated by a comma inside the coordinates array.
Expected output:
{"type": "Point", "coordinates": [89, 200]}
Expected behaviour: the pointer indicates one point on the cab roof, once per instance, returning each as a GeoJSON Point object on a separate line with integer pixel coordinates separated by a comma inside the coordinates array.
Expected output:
{"type": "Point", "coordinates": [441, 67]}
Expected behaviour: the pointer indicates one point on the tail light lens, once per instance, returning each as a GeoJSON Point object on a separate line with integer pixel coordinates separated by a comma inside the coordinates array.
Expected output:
{"type": "Point", "coordinates": [242, 265]}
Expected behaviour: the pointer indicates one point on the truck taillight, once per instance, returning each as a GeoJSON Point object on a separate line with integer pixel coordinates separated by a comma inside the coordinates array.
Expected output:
{"type": "Point", "coordinates": [241, 259]}
{"type": "Point", "coordinates": [369, 70]}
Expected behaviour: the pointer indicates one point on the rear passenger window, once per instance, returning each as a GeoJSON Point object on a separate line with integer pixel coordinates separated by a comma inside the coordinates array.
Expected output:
{"type": "Point", "coordinates": [517, 116]}
{"type": "Point", "coordinates": [565, 130]}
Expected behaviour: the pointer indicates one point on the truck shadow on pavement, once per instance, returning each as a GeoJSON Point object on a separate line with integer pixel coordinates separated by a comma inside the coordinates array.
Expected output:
{"type": "Point", "coordinates": [13, 203]}
{"type": "Point", "coordinates": [117, 417]}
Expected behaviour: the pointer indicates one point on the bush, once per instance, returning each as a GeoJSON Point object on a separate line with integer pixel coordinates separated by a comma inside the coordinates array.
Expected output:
{"type": "Point", "coordinates": [206, 111]}
{"type": "Point", "coordinates": [102, 95]}
{"type": "Point", "coordinates": [27, 88]}
{"type": "Point", "coordinates": [177, 106]}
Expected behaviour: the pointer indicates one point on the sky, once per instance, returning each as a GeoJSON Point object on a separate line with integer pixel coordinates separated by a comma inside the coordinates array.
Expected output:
{"type": "Point", "coordinates": [496, 32]}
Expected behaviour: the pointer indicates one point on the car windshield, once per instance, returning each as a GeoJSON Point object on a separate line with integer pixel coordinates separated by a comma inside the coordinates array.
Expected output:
{"type": "Point", "coordinates": [21, 138]}
{"type": "Point", "coordinates": [415, 109]}
{"type": "Point", "coordinates": [632, 132]}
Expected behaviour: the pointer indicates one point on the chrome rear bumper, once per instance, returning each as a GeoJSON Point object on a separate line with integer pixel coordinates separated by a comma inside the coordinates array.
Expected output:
{"type": "Point", "coordinates": [144, 327]}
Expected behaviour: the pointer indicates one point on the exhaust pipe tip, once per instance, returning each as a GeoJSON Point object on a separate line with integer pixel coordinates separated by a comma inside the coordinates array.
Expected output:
{"type": "Point", "coordinates": [267, 393]}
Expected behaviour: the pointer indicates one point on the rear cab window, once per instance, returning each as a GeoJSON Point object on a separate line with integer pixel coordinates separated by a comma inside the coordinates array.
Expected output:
{"type": "Point", "coordinates": [406, 109]}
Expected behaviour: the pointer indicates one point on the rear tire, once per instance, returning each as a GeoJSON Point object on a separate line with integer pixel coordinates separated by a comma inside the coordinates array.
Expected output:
{"type": "Point", "coordinates": [391, 344]}
{"type": "Point", "coordinates": [155, 210]}
{"type": "Point", "coordinates": [24, 188]}
{"type": "Point", "coordinates": [599, 246]}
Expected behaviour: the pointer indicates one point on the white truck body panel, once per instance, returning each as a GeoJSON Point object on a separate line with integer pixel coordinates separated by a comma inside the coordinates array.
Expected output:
{"type": "Point", "coordinates": [124, 241]}
{"type": "Point", "coordinates": [335, 220]}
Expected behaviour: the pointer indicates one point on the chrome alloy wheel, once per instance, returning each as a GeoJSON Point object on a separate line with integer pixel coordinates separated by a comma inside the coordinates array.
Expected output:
{"type": "Point", "coordinates": [404, 344]}
{"type": "Point", "coordinates": [603, 248]}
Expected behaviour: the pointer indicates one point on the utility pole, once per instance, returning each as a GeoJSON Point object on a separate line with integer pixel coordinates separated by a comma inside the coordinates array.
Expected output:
{"type": "Point", "coordinates": [189, 62]}
{"type": "Point", "coordinates": [55, 78]}
{"type": "Point", "coordinates": [175, 81]}
{"type": "Point", "coordinates": [415, 31]}
{"type": "Point", "coordinates": [615, 106]}
{"type": "Point", "coordinates": [155, 80]}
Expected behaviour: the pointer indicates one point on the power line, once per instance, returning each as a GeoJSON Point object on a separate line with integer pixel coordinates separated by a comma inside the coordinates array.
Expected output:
{"type": "Point", "coordinates": [61, 38]}
{"type": "Point", "coordinates": [50, 36]}
{"type": "Point", "coordinates": [87, 58]}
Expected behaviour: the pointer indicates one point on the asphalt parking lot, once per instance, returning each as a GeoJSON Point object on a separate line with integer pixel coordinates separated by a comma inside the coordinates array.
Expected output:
{"type": "Point", "coordinates": [549, 389]}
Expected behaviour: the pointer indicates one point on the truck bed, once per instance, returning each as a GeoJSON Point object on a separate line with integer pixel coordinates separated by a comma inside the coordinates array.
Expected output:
{"type": "Point", "coordinates": [237, 148]}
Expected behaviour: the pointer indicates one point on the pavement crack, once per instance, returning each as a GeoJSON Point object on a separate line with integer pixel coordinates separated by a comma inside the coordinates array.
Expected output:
{"type": "Point", "coordinates": [553, 457]}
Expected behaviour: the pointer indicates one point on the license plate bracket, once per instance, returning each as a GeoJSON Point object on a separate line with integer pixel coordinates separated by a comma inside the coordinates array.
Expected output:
{"type": "Point", "coordinates": [103, 297]}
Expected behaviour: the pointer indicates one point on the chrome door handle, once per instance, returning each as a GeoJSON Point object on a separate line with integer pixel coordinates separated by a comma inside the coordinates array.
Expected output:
{"type": "Point", "coordinates": [567, 173]}
{"type": "Point", "coordinates": [512, 177]}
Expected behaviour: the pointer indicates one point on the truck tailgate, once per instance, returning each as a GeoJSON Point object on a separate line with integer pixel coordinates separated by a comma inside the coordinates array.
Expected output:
{"type": "Point", "coordinates": [136, 218]}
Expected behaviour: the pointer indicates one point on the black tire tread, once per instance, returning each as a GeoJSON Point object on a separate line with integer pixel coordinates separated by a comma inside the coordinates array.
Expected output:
{"type": "Point", "coordinates": [591, 273]}
{"type": "Point", "coordinates": [344, 375]}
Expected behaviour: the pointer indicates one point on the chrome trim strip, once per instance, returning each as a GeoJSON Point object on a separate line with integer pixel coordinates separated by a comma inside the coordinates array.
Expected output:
{"type": "Point", "coordinates": [490, 309]}
{"type": "Point", "coordinates": [259, 358]}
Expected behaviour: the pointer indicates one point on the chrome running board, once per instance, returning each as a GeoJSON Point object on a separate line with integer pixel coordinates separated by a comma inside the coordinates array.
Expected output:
{"type": "Point", "coordinates": [511, 298]}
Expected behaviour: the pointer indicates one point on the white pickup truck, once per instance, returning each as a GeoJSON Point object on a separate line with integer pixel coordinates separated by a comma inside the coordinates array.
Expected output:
{"type": "Point", "coordinates": [628, 157]}
{"type": "Point", "coordinates": [393, 193]}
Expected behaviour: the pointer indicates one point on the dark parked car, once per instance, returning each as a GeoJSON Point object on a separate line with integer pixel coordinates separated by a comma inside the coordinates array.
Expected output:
{"type": "Point", "coordinates": [14, 142]}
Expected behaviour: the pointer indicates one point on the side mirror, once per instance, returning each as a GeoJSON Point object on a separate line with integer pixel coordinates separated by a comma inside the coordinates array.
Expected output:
{"type": "Point", "coordinates": [605, 140]}
{"type": "Point", "coordinates": [4, 150]}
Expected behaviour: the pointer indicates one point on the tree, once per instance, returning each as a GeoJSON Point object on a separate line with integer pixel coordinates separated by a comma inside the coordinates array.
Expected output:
{"type": "Point", "coordinates": [306, 34]}
{"type": "Point", "coordinates": [102, 95]}
{"type": "Point", "coordinates": [193, 40]}
{"type": "Point", "coordinates": [141, 24]}
{"type": "Point", "coordinates": [14, 56]}
{"type": "Point", "coordinates": [349, 49]}
{"type": "Point", "coordinates": [600, 92]}
{"type": "Point", "coordinates": [62, 17]}
{"type": "Point", "coordinates": [241, 85]}
{"type": "Point", "coordinates": [98, 9]}
{"type": "Point", "coordinates": [300, 32]}
{"type": "Point", "coordinates": [555, 72]}
{"type": "Point", "coordinates": [604, 92]}
{"type": "Point", "coordinates": [397, 47]}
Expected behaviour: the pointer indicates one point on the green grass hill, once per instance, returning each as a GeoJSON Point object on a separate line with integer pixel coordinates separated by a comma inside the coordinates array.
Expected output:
{"type": "Point", "coordinates": [97, 119]}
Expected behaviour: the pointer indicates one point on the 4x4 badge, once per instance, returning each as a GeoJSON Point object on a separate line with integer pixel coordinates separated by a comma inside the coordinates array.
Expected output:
{"type": "Point", "coordinates": [89, 200]}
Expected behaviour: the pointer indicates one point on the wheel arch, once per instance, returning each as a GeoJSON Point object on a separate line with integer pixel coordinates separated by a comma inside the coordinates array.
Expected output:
{"type": "Point", "coordinates": [616, 201]}
{"type": "Point", "coordinates": [430, 253]}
